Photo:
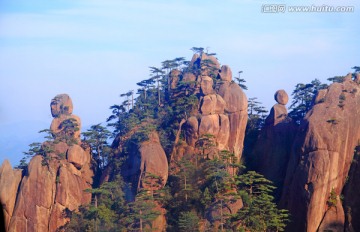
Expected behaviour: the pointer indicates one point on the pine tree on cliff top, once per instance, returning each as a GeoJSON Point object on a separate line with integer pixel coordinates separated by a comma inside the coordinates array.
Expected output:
{"type": "Point", "coordinates": [303, 99]}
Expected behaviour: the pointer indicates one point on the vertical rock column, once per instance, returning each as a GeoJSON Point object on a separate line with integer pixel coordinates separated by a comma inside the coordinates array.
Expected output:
{"type": "Point", "coordinates": [50, 187]}
{"type": "Point", "coordinates": [320, 161]}
{"type": "Point", "coordinates": [222, 110]}
{"type": "Point", "coordinates": [273, 146]}
{"type": "Point", "coordinates": [9, 184]}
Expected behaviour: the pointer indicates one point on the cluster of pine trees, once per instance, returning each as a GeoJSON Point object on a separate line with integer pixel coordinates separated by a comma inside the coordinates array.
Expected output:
{"type": "Point", "coordinates": [199, 189]}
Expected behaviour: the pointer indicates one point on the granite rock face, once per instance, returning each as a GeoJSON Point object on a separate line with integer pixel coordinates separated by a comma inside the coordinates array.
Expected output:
{"type": "Point", "coordinates": [321, 156]}
{"type": "Point", "coordinates": [146, 169]}
{"type": "Point", "coordinates": [281, 97]}
{"type": "Point", "coordinates": [53, 182]}
{"type": "Point", "coordinates": [351, 195]}
{"type": "Point", "coordinates": [9, 184]}
{"type": "Point", "coordinates": [222, 109]}
{"type": "Point", "coordinates": [61, 109]}
{"type": "Point", "coordinates": [146, 162]}
{"type": "Point", "coordinates": [273, 146]}
{"type": "Point", "coordinates": [220, 117]}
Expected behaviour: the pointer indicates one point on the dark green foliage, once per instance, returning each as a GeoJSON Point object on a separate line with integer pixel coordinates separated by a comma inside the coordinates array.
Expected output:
{"type": "Point", "coordinates": [331, 202]}
{"type": "Point", "coordinates": [208, 66]}
{"type": "Point", "coordinates": [141, 213]}
{"type": "Point", "coordinates": [241, 81]}
{"type": "Point", "coordinates": [256, 114]}
{"type": "Point", "coordinates": [39, 149]}
{"type": "Point", "coordinates": [97, 137]}
{"type": "Point", "coordinates": [23, 164]}
{"type": "Point", "coordinates": [256, 120]}
{"type": "Point", "coordinates": [337, 79]}
{"type": "Point", "coordinates": [198, 50]}
{"type": "Point", "coordinates": [105, 212]}
{"type": "Point", "coordinates": [69, 127]}
{"type": "Point", "coordinates": [200, 183]}
{"type": "Point", "coordinates": [259, 212]}
{"type": "Point", "coordinates": [303, 96]}
{"type": "Point", "coordinates": [188, 222]}
{"type": "Point", "coordinates": [356, 69]}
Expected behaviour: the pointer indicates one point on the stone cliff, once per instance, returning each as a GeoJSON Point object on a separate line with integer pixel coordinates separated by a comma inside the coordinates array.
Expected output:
{"type": "Point", "coordinates": [273, 147]}
{"type": "Point", "coordinates": [216, 123]}
{"type": "Point", "coordinates": [315, 165]}
{"type": "Point", "coordinates": [37, 198]}
{"type": "Point", "coordinates": [321, 157]}
{"type": "Point", "coordinates": [222, 109]}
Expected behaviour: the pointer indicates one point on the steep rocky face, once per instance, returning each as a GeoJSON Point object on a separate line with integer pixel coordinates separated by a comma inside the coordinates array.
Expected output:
{"type": "Point", "coordinates": [54, 182]}
{"type": "Point", "coordinates": [9, 184]}
{"type": "Point", "coordinates": [219, 119]}
{"type": "Point", "coordinates": [146, 167]}
{"type": "Point", "coordinates": [321, 156]}
{"type": "Point", "coordinates": [351, 195]}
{"type": "Point", "coordinates": [273, 147]}
{"type": "Point", "coordinates": [222, 109]}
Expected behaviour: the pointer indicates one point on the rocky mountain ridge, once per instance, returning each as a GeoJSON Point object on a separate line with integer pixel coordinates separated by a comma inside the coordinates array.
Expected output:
{"type": "Point", "coordinates": [314, 165]}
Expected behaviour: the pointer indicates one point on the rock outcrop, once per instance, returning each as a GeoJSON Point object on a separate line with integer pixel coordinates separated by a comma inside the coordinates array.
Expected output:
{"type": "Point", "coordinates": [9, 184]}
{"type": "Point", "coordinates": [218, 119]}
{"type": "Point", "coordinates": [146, 167]}
{"type": "Point", "coordinates": [222, 109]}
{"type": "Point", "coordinates": [273, 146]}
{"type": "Point", "coordinates": [61, 110]}
{"type": "Point", "coordinates": [54, 180]}
{"type": "Point", "coordinates": [351, 195]}
{"type": "Point", "coordinates": [321, 156]}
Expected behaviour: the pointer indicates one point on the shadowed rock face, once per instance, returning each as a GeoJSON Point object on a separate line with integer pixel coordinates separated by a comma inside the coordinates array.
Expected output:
{"type": "Point", "coordinates": [351, 195]}
{"type": "Point", "coordinates": [48, 188]}
{"type": "Point", "coordinates": [146, 167]}
{"type": "Point", "coordinates": [321, 158]}
{"type": "Point", "coordinates": [273, 147]}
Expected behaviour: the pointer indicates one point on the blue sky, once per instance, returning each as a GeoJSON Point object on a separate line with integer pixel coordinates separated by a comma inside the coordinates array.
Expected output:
{"type": "Point", "coordinates": [96, 50]}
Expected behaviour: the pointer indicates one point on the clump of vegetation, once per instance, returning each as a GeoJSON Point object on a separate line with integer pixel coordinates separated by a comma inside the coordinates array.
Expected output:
{"type": "Point", "coordinates": [206, 181]}
{"type": "Point", "coordinates": [337, 79]}
{"type": "Point", "coordinates": [303, 96]}
{"type": "Point", "coordinates": [332, 201]}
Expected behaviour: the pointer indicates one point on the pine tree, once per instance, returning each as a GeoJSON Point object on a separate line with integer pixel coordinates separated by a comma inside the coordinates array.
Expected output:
{"type": "Point", "coordinates": [240, 81]}
{"type": "Point", "coordinates": [104, 213]}
{"type": "Point", "coordinates": [259, 213]}
{"type": "Point", "coordinates": [189, 222]}
{"type": "Point", "coordinates": [336, 79]}
{"type": "Point", "coordinates": [97, 137]}
{"type": "Point", "coordinates": [356, 69]}
{"type": "Point", "coordinates": [141, 213]}
{"type": "Point", "coordinates": [303, 99]}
